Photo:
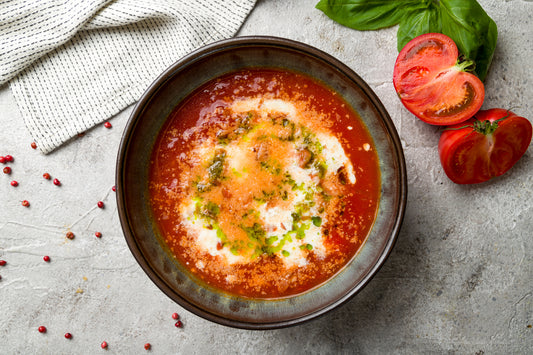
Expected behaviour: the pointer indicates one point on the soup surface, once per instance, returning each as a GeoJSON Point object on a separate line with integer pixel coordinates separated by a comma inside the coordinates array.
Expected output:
{"type": "Point", "coordinates": [264, 183]}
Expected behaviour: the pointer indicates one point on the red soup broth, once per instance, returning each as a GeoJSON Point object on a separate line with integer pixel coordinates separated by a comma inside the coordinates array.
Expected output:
{"type": "Point", "coordinates": [264, 183]}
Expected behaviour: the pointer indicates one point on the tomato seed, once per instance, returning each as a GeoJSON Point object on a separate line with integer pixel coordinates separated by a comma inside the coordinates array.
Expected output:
{"type": "Point", "coordinates": [34, 145]}
{"type": "Point", "coordinates": [107, 124]}
{"type": "Point", "coordinates": [175, 316]}
{"type": "Point", "coordinates": [178, 324]}
{"type": "Point", "coordinates": [68, 335]}
{"type": "Point", "coordinates": [100, 204]}
{"type": "Point", "coordinates": [46, 258]}
{"type": "Point", "coordinates": [42, 329]}
{"type": "Point", "coordinates": [8, 158]}
{"type": "Point", "coordinates": [104, 345]}
{"type": "Point", "coordinates": [147, 346]}
{"type": "Point", "coordinates": [57, 182]}
{"type": "Point", "coordinates": [14, 183]}
{"type": "Point", "coordinates": [26, 203]}
{"type": "Point", "coordinates": [47, 176]}
{"type": "Point", "coordinates": [7, 170]}
{"type": "Point", "coordinates": [3, 262]}
{"type": "Point", "coordinates": [69, 235]}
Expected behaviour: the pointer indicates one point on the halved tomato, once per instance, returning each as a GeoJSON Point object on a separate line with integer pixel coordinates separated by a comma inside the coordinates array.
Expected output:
{"type": "Point", "coordinates": [485, 146]}
{"type": "Point", "coordinates": [433, 84]}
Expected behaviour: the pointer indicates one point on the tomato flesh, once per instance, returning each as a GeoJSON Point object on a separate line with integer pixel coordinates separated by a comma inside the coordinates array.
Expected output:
{"type": "Point", "coordinates": [469, 156]}
{"type": "Point", "coordinates": [431, 83]}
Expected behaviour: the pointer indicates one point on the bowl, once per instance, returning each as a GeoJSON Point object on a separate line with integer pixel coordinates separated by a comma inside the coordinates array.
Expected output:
{"type": "Point", "coordinates": [143, 237]}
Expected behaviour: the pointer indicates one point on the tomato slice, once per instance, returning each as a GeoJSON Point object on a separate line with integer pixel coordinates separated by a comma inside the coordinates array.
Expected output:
{"type": "Point", "coordinates": [485, 146]}
{"type": "Point", "coordinates": [433, 85]}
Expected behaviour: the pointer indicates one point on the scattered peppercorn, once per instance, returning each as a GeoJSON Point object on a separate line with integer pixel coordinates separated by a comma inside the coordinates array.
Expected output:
{"type": "Point", "coordinates": [3, 262]}
{"type": "Point", "coordinates": [70, 235]}
{"type": "Point", "coordinates": [47, 176]}
{"type": "Point", "coordinates": [104, 345]}
{"type": "Point", "coordinates": [42, 329]}
{"type": "Point", "coordinates": [14, 183]}
{"type": "Point", "coordinates": [147, 346]}
{"type": "Point", "coordinates": [7, 170]}
{"type": "Point", "coordinates": [100, 204]}
{"type": "Point", "coordinates": [46, 258]}
{"type": "Point", "coordinates": [98, 234]}
{"type": "Point", "coordinates": [34, 145]}
{"type": "Point", "coordinates": [107, 124]}
{"type": "Point", "coordinates": [8, 158]}
{"type": "Point", "coordinates": [68, 335]}
{"type": "Point", "coordinates": [57, 182]}
{"type": "Point", "coordinates": [26, 203]}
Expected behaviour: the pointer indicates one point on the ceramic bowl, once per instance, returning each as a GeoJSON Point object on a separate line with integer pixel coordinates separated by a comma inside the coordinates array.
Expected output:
{"type": "Point", "coordinates": [143, 237]}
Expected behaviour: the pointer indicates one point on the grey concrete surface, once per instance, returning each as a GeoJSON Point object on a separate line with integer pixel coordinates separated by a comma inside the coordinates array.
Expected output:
{"type": "Point", "coordinates": [459, 280]}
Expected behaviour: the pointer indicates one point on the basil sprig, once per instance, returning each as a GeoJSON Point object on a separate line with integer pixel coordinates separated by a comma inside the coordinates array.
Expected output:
{"type": "Point", "coordinates": [464, 21]}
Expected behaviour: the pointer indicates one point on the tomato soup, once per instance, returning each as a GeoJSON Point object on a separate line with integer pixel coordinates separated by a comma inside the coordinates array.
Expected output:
{"type": "Point", "coordinates": [264, 183]}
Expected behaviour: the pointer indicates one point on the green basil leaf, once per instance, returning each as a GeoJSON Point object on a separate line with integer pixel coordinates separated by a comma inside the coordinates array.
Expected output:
{"type": "Point", "coordinates": [417, 23]}
{"type": "Point", "coordinates": [464, 21]}
{"type": "Point", "coordinates": [474, 32]}
{"type": "Point", "coordinates": [364, 15]}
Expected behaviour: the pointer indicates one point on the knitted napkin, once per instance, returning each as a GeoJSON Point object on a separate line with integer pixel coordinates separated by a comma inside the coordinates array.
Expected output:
{"type": "Point", "coordinates": [72, 64]}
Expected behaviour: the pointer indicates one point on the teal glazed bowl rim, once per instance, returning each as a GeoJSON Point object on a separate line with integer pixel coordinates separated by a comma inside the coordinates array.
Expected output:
{"type": "Point", "coordinates": [133, 161]}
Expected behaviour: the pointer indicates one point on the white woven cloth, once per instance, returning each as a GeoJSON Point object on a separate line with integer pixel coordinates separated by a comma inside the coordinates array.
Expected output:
{"type": "Point", "coordinates": [72, 64]}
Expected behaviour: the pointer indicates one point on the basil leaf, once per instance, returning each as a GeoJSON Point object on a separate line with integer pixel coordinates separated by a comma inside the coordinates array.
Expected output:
{"type": "Point", "coordinates": [417, 23]}
{"type": "Point", "coordinates": [474, 32]}
{"type": "Point", "coordinates": [364, 15]}
{"type": "Point", "coordinates": [464, 21]}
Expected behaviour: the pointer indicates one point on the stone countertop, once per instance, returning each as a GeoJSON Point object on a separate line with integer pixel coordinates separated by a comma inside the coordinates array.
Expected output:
{"type": "Point", "coordinates": [459, 280]}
